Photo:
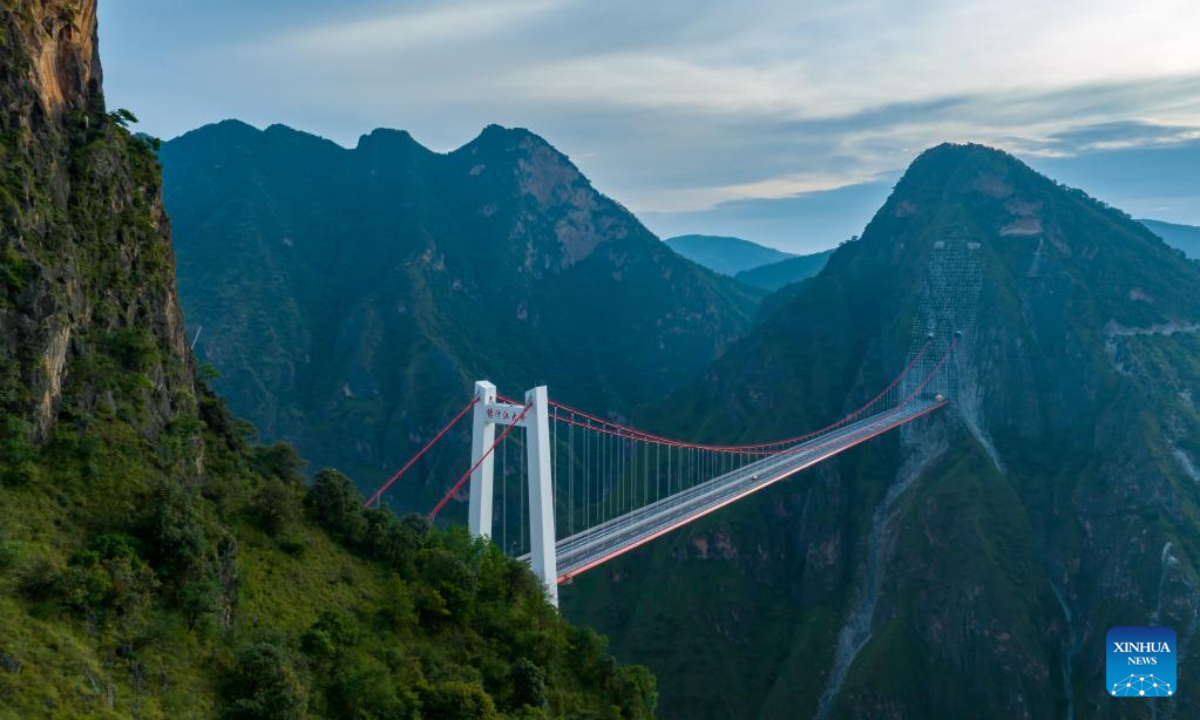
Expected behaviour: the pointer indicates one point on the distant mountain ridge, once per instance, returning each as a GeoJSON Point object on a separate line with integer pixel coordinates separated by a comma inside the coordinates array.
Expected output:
{"type": "Point", "coordinates": [725, 255]}
{"type": "Point", "coordinates": [1184, 237]}
{"type": "Point", "coordinates": [776, 275]}
{"type": "Point", "coordinates": [350, 296]}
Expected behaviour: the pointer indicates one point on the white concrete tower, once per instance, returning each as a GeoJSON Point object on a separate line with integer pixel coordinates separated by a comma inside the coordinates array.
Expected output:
{"type": "Point", "coordinates": [542, 552]}
{"type": "Point", "coordinates": [483, 434]}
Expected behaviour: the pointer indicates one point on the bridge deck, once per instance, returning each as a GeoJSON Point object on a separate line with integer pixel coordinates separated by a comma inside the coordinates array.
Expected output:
{"type": "Point", "coordinates": [603, 542]}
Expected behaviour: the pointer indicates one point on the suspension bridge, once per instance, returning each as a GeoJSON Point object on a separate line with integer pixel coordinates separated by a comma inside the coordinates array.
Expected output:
{"type": "Point", "coordinates": [587, 489]}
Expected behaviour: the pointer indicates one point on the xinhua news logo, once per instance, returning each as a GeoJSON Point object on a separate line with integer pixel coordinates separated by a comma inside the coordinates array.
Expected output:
{"type": "Point", "coordinates": [1141, 662]}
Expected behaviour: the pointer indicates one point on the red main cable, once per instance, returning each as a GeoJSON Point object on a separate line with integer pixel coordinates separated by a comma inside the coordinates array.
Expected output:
{"type": "Point", "coordinates": [400, 473]}
{"type": "Point", "coordinates": [458, 485]}
{"type": "Point", "coordinates": [635, 434]}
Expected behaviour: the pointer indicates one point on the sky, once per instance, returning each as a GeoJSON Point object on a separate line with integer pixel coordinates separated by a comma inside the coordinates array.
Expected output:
{"type": "Point", "coordinates": [777, 120]}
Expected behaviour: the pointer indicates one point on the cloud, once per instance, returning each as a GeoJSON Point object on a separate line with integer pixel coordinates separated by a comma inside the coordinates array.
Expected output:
{"type": "Point", "coordinates": [677, 106]}
{"type": "Point", "coordinates": [1119, 135]}
{"type": "Point", "coordinates": [408, 31]}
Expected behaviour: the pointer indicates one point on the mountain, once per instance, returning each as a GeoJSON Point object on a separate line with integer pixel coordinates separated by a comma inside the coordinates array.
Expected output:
{"type": "Point", "coordinates": [774, 276]}
{"type": "Point", "coordinates": [725, 255]}
{"type": "Point", "coordinates": [971, 564]}
{"type": "Point", "coordinates": [153, 562]}
{"type": "Point", "coordinates": [350, 297]}
{"type": "Point", "coordinates": [1184, 237]}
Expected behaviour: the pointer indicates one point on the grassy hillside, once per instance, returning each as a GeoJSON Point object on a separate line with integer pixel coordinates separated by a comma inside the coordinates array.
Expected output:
{"type": "Point", "coordinates": [127, 589]}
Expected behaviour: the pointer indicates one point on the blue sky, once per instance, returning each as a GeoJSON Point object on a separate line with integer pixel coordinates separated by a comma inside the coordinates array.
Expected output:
{"type": "Point", "coordinates": [694, 114]}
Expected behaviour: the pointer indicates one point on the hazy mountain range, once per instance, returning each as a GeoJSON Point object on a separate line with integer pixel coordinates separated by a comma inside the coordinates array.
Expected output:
{"type": "Point", "coordinates": [349, 298]}
{"type": "Point", "coordinates": [726, 255]}
{"type": "Point", "coordinates": [774, 276]}
{"type": "Point", "coordinates": [1184, 237]}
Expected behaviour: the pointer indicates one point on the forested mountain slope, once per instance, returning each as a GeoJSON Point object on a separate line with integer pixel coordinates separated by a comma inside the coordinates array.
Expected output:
{"type": "Point", "coordinates": [971, 564]}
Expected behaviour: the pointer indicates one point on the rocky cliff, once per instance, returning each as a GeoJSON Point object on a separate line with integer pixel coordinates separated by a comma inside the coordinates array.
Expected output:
{"type": "Point", "coordinates": [86, 244]}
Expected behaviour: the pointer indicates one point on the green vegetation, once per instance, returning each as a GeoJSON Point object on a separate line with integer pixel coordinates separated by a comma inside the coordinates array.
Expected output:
{"type": "Point", "coordinates": [155, 561]}
{"type": "Point", "coordinates": [245, 593]}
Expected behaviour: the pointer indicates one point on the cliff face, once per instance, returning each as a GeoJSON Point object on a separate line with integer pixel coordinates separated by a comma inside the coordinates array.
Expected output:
{"type": "Point", "coordinates": [61, 39]}
{"type": "Point", "coordinates": [87, 260]}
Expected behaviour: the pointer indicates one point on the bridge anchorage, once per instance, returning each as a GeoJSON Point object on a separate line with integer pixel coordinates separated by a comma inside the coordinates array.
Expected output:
{"type": "Point", "coordinates": [595, 489]}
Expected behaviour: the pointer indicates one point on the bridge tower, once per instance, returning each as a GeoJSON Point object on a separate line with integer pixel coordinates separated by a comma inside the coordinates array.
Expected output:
{"type": "Point", "coordinates": [535, 419]}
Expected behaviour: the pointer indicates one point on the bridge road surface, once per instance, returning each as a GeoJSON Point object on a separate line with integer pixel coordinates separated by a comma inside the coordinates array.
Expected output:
{"type": "Point", "coordinates": [603, 542]}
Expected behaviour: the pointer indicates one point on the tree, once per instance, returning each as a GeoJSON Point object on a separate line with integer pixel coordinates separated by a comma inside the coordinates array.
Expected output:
{"type": "Point", "coordinates": [123, 117]}
{"type": "Point", "coordinates": [274, 507]}
{"type": "Point", "coordinates": [398, 606]}
{"type": "Point", "coordinates": [364, 689]}
{"type": "Point", "coordinates": [333, 631]}
{"type": "Point", "coordinates": [454, 700]}
{"type": "Point", "coordinates": [280, 460]}
{"type": "Point", "coordinates": [529, 684]}
{"type": "Point", "coordinates": [333, 501]}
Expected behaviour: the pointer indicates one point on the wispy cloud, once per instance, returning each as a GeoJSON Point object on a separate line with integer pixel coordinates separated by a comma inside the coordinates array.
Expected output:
{"type": "Point", "coordinates": [407, 31]}
{"type": "Point", "coordinates": [678, 105]}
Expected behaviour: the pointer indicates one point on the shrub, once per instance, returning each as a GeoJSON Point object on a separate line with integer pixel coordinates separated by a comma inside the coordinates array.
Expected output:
{"type": "Point", "coordinates": [24, 473]}
{"type": "Point", "coordinates": [17, 452]}
{"type": "Point", "coordinates": [333, 631]}
{"type": "Point", "coordinates": [108, 579]}
{"type": "Point", "coordinates": [263, 686]}
{"type": "Point", "coordinates": [451, 576]}
{"type": "Point", "coordinates": [198, 598]}
{"type": "Point", "coordinates": [134, 348]}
